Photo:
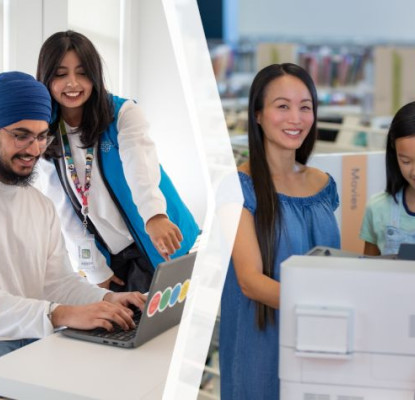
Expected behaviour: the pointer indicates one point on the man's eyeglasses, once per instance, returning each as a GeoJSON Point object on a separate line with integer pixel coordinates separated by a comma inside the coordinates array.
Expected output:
{"type": "Point", "coordinates": [23, 140]}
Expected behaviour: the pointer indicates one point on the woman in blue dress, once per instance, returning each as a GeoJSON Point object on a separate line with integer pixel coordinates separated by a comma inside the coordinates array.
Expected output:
{"type": "Point", "coordinates": [288, 209]}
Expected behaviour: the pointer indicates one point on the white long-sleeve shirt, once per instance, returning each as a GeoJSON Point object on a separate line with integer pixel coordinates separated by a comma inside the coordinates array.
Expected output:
{"type": "Point", "coordinates": [142, 172]}
{"type": "Point", "coordinates": [34, 265]}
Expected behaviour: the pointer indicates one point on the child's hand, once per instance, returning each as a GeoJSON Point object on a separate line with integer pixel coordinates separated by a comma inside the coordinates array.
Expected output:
{"type": "Point", "coordinates": [165, 235]}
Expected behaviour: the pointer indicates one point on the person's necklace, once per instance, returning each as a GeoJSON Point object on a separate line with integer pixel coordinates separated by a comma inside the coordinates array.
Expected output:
{"type": "Point", "coordinates": [82, 190]}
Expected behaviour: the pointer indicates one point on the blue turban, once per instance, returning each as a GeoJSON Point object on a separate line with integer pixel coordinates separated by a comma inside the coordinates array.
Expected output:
{"type": "Point", "coordinates": [23, 97]}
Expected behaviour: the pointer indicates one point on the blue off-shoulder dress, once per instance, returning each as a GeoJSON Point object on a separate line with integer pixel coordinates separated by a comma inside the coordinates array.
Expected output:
{"type": "Point", "coordinates": [249, 356]}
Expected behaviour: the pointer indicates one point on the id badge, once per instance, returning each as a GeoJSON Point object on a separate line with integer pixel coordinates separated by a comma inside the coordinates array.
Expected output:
{"type": "Point", "coordinates": [86, 253]}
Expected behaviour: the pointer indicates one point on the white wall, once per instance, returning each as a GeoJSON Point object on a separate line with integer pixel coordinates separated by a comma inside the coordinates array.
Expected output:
{"type": "Point", "coordinates": [25, 25]}
{"type": "Point", "coordinates": [99, 20]}
{"type": "Point", "coordinates": [328, 19]}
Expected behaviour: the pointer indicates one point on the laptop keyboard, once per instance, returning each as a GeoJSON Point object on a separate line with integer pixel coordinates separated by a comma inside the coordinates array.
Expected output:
{"type": "Point", "coordinates": [117, 333]}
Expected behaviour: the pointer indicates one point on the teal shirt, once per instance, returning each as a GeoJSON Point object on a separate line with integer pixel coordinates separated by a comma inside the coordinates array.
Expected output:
{"type": "Point", "coordinates": [378, 220]}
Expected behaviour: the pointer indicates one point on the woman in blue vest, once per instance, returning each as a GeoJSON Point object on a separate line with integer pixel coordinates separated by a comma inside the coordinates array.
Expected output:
{"type": "Point", "coordinates": [126, 215]}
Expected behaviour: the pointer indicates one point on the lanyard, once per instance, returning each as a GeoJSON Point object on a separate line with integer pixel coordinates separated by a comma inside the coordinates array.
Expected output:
{"type": "Point", "coordinates": [83, 191]}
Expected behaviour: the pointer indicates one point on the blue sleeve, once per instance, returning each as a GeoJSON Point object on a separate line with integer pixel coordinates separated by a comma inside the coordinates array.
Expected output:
{"type": "Point", "coordinates": [248, 192]}
{"type": "Point", "coordinates": [334, 195]}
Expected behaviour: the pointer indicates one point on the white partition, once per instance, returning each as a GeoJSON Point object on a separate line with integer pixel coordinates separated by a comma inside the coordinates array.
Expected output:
{"type": "Point", "coordinates": [358, 177]}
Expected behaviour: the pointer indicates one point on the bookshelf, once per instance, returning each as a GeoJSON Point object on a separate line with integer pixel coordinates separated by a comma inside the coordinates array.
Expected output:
{"type": "Point", "coordinates": [328, 65]}
{"type": "Point", "coordinates": [379, 78]}
{"type": "Point", "coordinates": [343, 74]}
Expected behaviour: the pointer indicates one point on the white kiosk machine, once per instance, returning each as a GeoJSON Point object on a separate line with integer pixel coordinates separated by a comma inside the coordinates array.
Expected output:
{"type": "Point", "coordinates": [347, 329]}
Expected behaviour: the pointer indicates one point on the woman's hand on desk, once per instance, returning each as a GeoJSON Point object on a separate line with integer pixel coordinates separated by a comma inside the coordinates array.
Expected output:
{"type": "Point", "coordinates": [95, 315]}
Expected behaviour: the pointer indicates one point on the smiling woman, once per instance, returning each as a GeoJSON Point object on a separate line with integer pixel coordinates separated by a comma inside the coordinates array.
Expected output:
{"type": "Point", "coordinates": [71, 88]}
{"type": "Point", "coordinates": [287, 115]}
{"type": "Point", "coordinates": [125, 210]}
{"type": "Point", "coordinates": [288, 209]}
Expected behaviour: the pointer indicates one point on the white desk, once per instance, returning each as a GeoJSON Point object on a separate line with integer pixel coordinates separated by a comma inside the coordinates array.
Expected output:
{"type": "Point", "coordinates": [62, 368]}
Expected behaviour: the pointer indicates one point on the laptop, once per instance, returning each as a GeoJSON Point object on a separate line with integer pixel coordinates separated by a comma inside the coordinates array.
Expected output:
{"type": "Point", "coordinates": [163, 309]}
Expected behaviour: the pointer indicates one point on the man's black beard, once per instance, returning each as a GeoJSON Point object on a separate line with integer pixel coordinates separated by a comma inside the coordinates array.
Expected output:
{"type": "Point", "coordinates": [11, 178]}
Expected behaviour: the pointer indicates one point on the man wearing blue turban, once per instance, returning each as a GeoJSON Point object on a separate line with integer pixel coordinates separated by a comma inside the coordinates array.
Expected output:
{"type": "Point", "coordinates": [22, 98]}
{"type": "Point", "coordinates": [38, 289]}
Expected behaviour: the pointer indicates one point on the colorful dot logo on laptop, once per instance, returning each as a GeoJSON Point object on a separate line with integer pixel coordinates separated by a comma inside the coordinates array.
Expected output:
{"type": "Point", "coordinates": [184, 290]}
{"type": "Point", "coordinates": [154, 304]}
{"type": "Point", "coordinates": [175, 294]}
{"type": "Point", "coordinates": [165, 299]}
{"type": "Point", "coordinates": [169, 297]}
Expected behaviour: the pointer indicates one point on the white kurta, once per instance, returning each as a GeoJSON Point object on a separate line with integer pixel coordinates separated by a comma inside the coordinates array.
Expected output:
{"type": "Point", "coordinates": [34, 265]}
{"type": "Point", "coordinates": [142, 172]}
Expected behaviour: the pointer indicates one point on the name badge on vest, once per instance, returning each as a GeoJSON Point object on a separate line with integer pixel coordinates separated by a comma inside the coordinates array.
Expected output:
{"type": "Point", "coordinates": [86, 253]}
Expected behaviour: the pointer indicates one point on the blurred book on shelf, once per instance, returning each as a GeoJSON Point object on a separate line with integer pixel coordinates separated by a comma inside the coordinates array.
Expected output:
{"type": "Point", "coordinates": [275, 53]}
{"type": "Point", "coordinates": [332, 66]}
{"type": "Point", "coordinates": [394, 78]}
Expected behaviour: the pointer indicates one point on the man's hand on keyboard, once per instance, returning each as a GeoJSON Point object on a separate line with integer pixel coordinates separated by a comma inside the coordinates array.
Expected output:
{"type": "Point", "coordinates": [127, 299]}
{"type": "Point", "coordinates": [96, 315]}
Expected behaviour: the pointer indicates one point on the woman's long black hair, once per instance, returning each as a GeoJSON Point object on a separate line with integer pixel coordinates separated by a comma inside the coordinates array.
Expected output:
{"type": "Point", "coordinates": [403, 125]}
{"type": "Point", "coordinates": [268, 213]}
{"type": "Point", "coordinates": [97, 111]}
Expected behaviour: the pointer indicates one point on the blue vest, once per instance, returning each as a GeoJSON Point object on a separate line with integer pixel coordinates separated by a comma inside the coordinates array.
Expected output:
{"type": "Point", "coordinates": [112, 172]}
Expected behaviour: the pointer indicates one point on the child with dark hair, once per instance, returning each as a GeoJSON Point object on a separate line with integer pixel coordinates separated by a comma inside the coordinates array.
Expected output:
{"type": "Point", "coordinates": [389, 220]}
{"type": "Point", "coordinates": [288, 209]}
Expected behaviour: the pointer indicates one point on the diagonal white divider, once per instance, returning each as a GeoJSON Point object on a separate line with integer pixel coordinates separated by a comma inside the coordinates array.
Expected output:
{"type": "Point", "coordinates": [224, 198]}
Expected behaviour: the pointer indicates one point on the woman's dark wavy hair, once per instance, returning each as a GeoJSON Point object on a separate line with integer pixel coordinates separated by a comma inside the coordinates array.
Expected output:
{"type": "Point", "coordinates": [403, 125]}
{"type": "Point", "coordinates": [97, 111]}
{"type": "Point", "coordinates": [268, 215]}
